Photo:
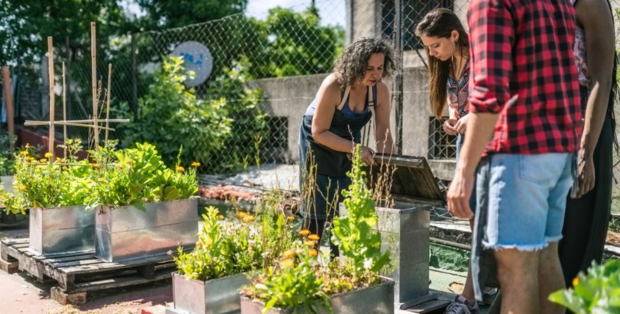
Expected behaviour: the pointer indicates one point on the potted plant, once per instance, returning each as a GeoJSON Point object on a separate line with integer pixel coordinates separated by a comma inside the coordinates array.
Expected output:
{"type": "Point", "coordinates": [351, 284]}
{"type": "Point", "coordinates": [210, 276]}
{"type": "Point", "coordinates": [144, 208]}
{"type": "Point", "coordinates": [57, 194]}
{"type": "Point", "coordinates": [594, 292]}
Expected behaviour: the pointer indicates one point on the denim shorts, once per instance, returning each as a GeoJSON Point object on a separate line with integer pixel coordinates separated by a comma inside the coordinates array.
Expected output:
{"type": "Point", "coordinates": [524, 198]}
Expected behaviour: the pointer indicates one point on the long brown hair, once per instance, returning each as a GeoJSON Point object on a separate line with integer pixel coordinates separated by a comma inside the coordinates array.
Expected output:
{"type": "Point", "coordinates": [440, 23]}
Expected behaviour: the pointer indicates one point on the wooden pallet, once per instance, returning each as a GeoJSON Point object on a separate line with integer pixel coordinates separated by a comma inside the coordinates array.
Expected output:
{"type": "Point", "coordinates": [77, 274]}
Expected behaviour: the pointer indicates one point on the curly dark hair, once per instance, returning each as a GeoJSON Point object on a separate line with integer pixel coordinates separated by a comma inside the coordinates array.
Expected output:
{"type": "Point", "coordinates": [351, 64]}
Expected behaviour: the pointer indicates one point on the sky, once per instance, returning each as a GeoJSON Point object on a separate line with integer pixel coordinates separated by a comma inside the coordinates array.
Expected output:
{"type": "Point", "coordinates": [332, 12]}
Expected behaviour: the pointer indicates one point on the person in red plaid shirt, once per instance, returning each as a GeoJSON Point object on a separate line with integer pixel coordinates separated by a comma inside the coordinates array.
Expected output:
{"type": "Point", "coordinates": [525, 98]}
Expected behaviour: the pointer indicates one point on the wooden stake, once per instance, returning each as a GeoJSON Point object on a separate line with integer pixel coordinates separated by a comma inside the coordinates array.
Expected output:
{"type": "Point", "coordinates": [35, 123]}
{"type": "Point", "coordinates": [50, 63]}
{"type": "Point", "coordinates": [107, 113]}
{"type": "Point", "coordinates": [64, 110]}
{"type": "Point", "coordinates": [93, 54]}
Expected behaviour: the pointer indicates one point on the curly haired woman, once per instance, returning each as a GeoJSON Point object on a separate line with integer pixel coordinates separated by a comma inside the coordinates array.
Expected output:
{"type": "Point", "coordinates": [332, 126]}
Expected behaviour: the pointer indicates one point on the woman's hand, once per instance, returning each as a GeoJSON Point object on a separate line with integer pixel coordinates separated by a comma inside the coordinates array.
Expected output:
{"type": "Point", "coordinates": [585, 173]}
{"type": "Point", "coordinates": [368, 155]}
{"type": "Point", "coordinates": [461, 124]}
{"type": "Point", "coordinates": [448, 126]}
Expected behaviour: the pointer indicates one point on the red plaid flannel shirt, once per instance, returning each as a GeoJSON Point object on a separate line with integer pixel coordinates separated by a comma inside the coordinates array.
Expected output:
{"type": "Point", "coordinates": [522, 67]}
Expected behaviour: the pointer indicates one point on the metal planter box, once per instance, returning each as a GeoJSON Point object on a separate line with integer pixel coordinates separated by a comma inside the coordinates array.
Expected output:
{"type": "Point", "coordinates": [405, 227]}
{"type": "Point", "coordinates": [216, 296]}
{"type": "Point", "coordinates": [127, 233]}
{"type": "Point", "coordinates": [62, 230]}
{"type": "Point", "coordinates": [378, 299]}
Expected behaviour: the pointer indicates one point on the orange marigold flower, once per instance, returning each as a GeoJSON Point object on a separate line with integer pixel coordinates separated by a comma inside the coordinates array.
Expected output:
{"type": "Point", "coordinates": [304, 232]}
{"type": "Point", "coordinates": [314, 252]}
{"type": "Point", "coordinates": [180, 169]}
{"type": "Point", "coordinates": [22, 187]}
{"type": "Point", "coordinates": [101, 180]}
{"type": "Point", "coordinates": [309, 244]}
{"type": "Point", "coordinates": [133, 166]}
{"type": "Point", "coordinates": [199, 244]}
{"type": "Point", "coordinates": [287, 263]}
{"type": "Point", "coordinates": [49, 155]}
{"type": "Point", "coordinates": [94, 166]}
{"type": "Point", "coordinates": [314, 237]}
{"type": "Point", "coordinates": [195, 164]}
{"type": "Point", "coordinates": [575, 281]}
{"type": "Point", "coordinates": [241, 214]}
{"type": "Point", "coordinates": [220, 217]}
{"type": "Point", "coordinates": [248, 219]}
{"type": "Point", "coordinates": [289, 254]}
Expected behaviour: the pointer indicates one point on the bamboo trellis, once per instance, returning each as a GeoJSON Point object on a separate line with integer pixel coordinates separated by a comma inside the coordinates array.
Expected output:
{"type": "Point", "coordinates": [87, 123]}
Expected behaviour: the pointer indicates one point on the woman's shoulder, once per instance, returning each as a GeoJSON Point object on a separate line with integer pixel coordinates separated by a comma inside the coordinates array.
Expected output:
{"type": "Point", "coordinates": [382, 88]}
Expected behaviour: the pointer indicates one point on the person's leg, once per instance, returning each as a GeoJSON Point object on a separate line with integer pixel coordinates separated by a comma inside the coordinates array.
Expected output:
{"type": "Point", "coordinates": [550, 278]}
{"type": "Point", "coordinates": [519, 194]}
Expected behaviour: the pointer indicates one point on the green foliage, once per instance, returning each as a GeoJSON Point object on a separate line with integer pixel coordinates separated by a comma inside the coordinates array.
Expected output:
{"type": "Point", "coordinates": [222, 250]}
{"type": "Point", "coordinates": [598, 291]}
{"type": "Point", "coordinates": [171, 116]}
{"type": "Point", "coordinates": [139, 177]}
{"type": "Point", "coordinates": [46, 183]}
{"type": "Point", "coordinates": [7, 162]}
{"type": "Point", "coordinates": [354, 234]}
{"type": "Point", "coordinates": [162, 14]}
{"type": "Point", "coordinates": [293, 285]}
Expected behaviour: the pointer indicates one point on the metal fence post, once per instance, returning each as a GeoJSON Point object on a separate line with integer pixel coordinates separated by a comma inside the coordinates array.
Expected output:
{"type": "Point", "coordinates": [398, 78]}
{"type": "Point", "coordinates": [134, 79]}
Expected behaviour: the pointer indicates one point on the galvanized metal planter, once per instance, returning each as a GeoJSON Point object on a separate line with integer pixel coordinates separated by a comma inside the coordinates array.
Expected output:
{"type": "Point", "coordinates": [378, 299]}
{"type": "Point", "coordinates": [127, 233]}
{"type": "Point", "coordinates": [217, 296]}
{"type": "Point", "coordinates": [62, 230]}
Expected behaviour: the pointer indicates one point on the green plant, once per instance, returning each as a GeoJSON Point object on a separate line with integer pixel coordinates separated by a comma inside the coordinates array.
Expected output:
{"type": "Point", "coordinates": [45, 183]}
{"type": "Point", "coordinates": [354, 233]}
{"type": "Point", "coordinates": [294, 284]}
{"type": "Point", "coordinates": [598, 291]}
{"type": "Point", "coordinates": [172, 116]}
{"type": "Point", "coordinates": [140, 176]}
{"type": "Point", "coordinates": [222, 250]}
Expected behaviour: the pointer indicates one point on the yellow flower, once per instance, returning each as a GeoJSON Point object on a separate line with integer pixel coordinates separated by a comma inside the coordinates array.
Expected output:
{"type": "Point", "coordinates": [180, 169]}
{"type": "Point", "coordinates": [575, 281]}
{"type": "Point", "coordinates": [309, 244]}
{"type": "Point", "coordinates": [248, 219]}
{"type": "Point", "coordinates": [304, 232]}
{"type": "Point", "coordinates": [220, 217]}
{"type": "Point", "coordinates": [22, 187]}
{"type": "Point", "coordinates": [314, 252]}
{"type": "Point", "coordinates": [209, 242]}
{"type": "Point", "coordinates": [43, 160]}
{"type": "Point", "coordinates": [94, 166]}
{"type": "Point", "coordinates": [101, 180]}
{"type": "Point", "coordinates": [195, 164]}
{"type": "Point", "coordinates": [64, 168]}
{"type": "Point", "coordinates": [49, 155]}
{"type": "Point", "coordinates": [58, 159]}
{"type": "Point", "coordinates": [314, 237]}
{"type": "Point", "coordinates": [23, 153]}
{"type": "Point", "coordinates": [199, 244]}
{"type": "Point", "coordinates": [40, 167]}
{"type": "Point", "coordinates": [290, 218]}
{"type": "Point", "coordinates": [287, 263]}
{"type": "Point", "coordinates": [289, 254]}
{"type": "Point", "coordinates": [241, 214]}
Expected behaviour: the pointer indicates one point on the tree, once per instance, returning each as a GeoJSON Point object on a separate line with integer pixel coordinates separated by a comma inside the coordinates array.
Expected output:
{"type": "Point", "coordinates": [165, 14]}
{"type": "Point", "coordinates": [25, 25]}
